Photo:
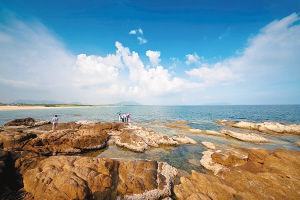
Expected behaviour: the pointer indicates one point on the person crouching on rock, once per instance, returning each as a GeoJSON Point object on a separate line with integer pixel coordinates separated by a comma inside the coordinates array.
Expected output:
{"type": "Point", "coordinates": [54, 122]}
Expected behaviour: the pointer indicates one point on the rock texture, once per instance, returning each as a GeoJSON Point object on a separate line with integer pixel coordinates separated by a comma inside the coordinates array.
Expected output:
{"type": "Point", "coordinates": [25, 123]}
{"type": "Point", "coordinates": [69, 138]}
{"type": "Point", "coordinates": [139, 139]}
{"type": "Point", "coordinates": [247, 137]}
{"type": "Point", "coordinates": [73, 177]}
{"type": "Point", "coordinates": [182, 139]}
{"type": "Point", "coordinates": [209, 145]}
{"type": "Point", "coordinates": [265, 127]}
{"type": "Point", "coordinates": [245, 174]}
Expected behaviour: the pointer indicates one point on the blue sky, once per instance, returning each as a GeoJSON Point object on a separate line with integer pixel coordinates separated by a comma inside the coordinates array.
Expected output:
{"type": "Point", "coordinates": [199, 52]}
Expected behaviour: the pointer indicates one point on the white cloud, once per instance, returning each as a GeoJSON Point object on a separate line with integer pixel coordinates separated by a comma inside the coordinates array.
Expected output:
{"type": "Point", "coordinates": [142, 40]}
{"type": "Point", "coordinates": [104, 69]}
{"type": "Point", "coordinates": [271, 55]}
{"type": "Point", "coordinates": [32, 59]}
{"type": "Point", "coordinates": [132, 32]}
{"type": "Point", "coordinates": [192, 59]}
{"type": "Point", "coordinates": [140, 31]}
{"type": "Point", "coordinates": [136, 32]}
{"type": "Point", "coordinates": [153, 57]}
{"type": "Point", "coordinates": [152, 81]}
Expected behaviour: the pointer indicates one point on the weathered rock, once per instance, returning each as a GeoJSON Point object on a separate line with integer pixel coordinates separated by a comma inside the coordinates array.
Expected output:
{"type": "Point", "coordinates": [248, 174]}
{"type": "Point", "coordinates": [25, 122]}
{"type": "Point", "coordinates": [247, 137]}
{"type": "Point", "coordinates": [298, 143]}
{"type": "Point", "coordinates": [139, 139]}
{"type": "Point", "coordinates": [72, 177]}
{"type": "Point", "coordinates": [209, 145]}
{"type": "Point", "coordinates": [269, 127]}
{"type": "Point", "coordinates": [14, 140]}
{"type": "Point", "coordinates": [206, 132]}
{"type": "Point", "coordinates": [86, 122]}
{"type": "Point", "coordinates": [182, 139]}
{"type": "Point", "coordinates": [69, 140]}
{"type": "Point", "coordinates": [208, 163]}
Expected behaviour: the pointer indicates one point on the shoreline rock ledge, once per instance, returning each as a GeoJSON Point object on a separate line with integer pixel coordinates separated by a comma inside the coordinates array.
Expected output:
{"type": "Point", "coordinates": [240, 173]}
{"type": "Point", "coordinates": [74, 177]}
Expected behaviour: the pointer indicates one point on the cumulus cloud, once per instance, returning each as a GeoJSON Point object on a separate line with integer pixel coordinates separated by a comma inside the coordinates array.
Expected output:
{"type": "Point", "coordinates": [32, 58]}
{"type": "Point", "coordinates": [192, 59]}
{"type": "Point", "coordinates": [132, 32]}
{"type": "Point", "coordinates": [153, 57]}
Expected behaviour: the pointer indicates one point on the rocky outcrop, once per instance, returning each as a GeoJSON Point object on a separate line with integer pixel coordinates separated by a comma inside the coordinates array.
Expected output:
{"type": "Point", "coordinates": [298, 143]}
{"type": "Point", "coordinates": [25, 123]}
{"type": "Point", "coordinates": [139, 139]}
{"type": "Point", "coordinates": [182, 139]}
{"type": "Point", "coordinates": [70, 141]}
{"type": "Point", "coordinates": [246, 137]}
{"type": "Point", "coordinates": [15, 140]}
{"type": "Point", "coordinates": [244, 174]}
{"type": "Point", "coordinates": [73, 177]}
{"type": "Point", "coordinates": [265, 127]}
{"type": "Point", "coordinates": [70, 137]}
{"type": "Point", "coordinates": [209, 145]}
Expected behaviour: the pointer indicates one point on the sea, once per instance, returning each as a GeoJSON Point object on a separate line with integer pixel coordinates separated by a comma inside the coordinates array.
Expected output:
{"type": "Point", "coordinates": [185, 157]}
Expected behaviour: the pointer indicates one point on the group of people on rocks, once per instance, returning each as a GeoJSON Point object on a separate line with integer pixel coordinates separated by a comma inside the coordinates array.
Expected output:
{"type": "Point", "coordinates": [124, 117]}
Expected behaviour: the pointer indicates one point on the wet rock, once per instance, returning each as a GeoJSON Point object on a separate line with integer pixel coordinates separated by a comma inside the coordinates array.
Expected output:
{"type": "Point", "coordinates": [72, 177]}
{"type": "Point", "coordinates": [182, 139]}
{"type": "Point", "coordinates": [209, 145]}
{"type": "Point", "coordinates": [247, 137]}
{"type": "Point", "coordinates": [248, 174]}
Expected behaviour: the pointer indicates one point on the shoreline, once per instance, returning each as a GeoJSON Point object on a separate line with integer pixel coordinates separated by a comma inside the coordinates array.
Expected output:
{"type": "Point", "coordinates": [13, 108]}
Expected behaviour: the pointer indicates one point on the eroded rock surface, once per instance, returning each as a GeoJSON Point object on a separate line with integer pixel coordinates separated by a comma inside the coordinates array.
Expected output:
{"type": "Point", "coordinates": [73, 177]}
{"type": "Point", "coordinates": [25, 123]}
{"type": "Point", "coordinates": [139, 139]}
{"type": "Point", "coordinates": [247, 137]}
{"type": "Point", "coordinates": [245, 174]}
{"type": "Point", "coordinates": [265, 127]}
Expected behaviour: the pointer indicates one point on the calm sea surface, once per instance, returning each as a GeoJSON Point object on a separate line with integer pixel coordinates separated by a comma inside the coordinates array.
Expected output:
{"type": "Point", "coordinates": [202, 117]}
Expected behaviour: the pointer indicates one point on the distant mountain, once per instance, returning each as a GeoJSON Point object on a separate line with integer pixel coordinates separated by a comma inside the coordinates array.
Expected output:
{"type": "Point", "coordinates": [127, 103]}
{"type": "Point", "coordinates": [26, 101]}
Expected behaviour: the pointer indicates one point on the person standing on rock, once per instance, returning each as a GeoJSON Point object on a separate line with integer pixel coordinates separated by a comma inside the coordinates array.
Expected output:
{"type": "Point", "coordinates": [128, 117]}
{"type": "Point", "coordinates": [54, 122]}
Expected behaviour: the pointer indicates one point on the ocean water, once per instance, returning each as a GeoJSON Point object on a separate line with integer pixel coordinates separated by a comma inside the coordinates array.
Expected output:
{"type": "Point", "coordinates": [184, 157]}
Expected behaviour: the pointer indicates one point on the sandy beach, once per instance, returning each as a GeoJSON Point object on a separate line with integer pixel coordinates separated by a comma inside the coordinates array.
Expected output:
{"type": "Point", "coordinates": [5, 108]}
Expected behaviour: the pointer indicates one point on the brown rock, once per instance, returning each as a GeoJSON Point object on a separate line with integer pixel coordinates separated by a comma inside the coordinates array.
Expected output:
{"type": "Point", "coordinates": [14, 140]}
{"type": "Point", "coordinates": [262, 174]}
{"type": "Point", "coordinates": [73, 177]}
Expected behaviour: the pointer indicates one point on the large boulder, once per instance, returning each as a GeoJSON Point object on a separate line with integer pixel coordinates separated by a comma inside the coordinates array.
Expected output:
{"type": "Point", "coordinates": [244, 174]}
{"type": "Point", "coordinates": [73, 177]}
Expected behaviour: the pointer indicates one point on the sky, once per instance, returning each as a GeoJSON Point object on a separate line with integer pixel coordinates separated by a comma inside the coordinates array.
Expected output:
{"type": "Point", "coordinates": [188, 52]}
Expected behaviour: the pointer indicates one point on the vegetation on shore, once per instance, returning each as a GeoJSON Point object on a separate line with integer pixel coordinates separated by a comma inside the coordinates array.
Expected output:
{"type": "Point", "coordinates": [44, 105]}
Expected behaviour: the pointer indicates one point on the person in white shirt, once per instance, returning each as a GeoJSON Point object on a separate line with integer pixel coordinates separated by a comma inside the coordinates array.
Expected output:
{"type": "Point", "coordinates": [54, 122]}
